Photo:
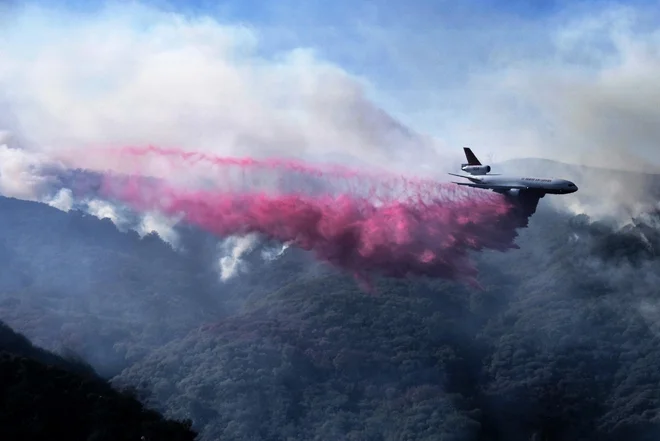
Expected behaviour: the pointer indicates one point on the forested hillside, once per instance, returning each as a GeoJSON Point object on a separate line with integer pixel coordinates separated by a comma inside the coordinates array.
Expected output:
{"type": "Point", "coordinates": [77, 283]}
{"type": "Point", "coordinates": [47, 397]}
{"type": "Point", "coordinates": [561, 344]}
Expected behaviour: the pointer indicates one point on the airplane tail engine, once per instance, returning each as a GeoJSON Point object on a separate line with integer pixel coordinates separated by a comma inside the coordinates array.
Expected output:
{"type": "Point", "coordinates": [476, 169]}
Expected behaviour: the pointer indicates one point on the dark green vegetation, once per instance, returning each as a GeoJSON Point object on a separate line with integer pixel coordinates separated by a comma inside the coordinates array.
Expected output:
{"type": "Point", "coordinates": [47, 397]}
{"type": "Point", "coordinates": [562, 344]}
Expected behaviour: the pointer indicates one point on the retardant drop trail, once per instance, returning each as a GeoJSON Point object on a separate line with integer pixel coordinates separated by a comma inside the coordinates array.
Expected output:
{"type": "Point", "coordinates": [385, 225]}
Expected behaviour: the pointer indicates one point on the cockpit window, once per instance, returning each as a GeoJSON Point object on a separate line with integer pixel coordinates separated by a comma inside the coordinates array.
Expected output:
{"type": "Point", "coordinates": [571, 185]}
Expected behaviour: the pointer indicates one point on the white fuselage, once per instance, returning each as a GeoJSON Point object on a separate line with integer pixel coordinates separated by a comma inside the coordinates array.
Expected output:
{"type": "Point", "coordinates": [546, 185]}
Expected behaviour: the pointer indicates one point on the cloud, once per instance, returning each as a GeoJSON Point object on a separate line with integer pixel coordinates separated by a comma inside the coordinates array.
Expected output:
{"type": "Point", "coordinates": [576, 83]}
{"type": "Point", "coordinates": [150, 77]}
{"type": "Point", "coordinates": [588, 94]}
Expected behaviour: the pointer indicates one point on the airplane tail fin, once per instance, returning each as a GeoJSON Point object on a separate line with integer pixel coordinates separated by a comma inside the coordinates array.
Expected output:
{"type": "Point", "coordinates": [471, 157]}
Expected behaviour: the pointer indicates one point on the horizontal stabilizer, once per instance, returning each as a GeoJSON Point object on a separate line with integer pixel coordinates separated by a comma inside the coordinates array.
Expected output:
{"type": "Point", "coordinates": [472, 178]}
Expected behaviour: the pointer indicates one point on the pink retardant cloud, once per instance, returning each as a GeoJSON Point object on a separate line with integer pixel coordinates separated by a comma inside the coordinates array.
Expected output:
{"type": "Point", "coordinates": [387, 225]}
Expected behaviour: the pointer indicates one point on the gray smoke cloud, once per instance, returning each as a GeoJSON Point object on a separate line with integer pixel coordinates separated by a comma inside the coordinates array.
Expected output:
{"type": "Point", "coordinates": [151, 77]}
{"type": "Point", "coordinates": [198, 84]}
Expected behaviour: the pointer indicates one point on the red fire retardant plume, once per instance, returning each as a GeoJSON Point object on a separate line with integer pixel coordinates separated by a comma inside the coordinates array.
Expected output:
{"type": "Point", "coordinates": [365, 224]}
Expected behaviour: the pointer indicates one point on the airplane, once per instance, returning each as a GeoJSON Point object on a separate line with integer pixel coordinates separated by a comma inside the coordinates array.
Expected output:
{"type": "Point", "coordinates": [527, 188]}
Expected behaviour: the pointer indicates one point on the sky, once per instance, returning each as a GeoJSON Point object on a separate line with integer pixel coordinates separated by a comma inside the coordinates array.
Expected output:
{"type": "Point", "coordinates": [400, 85]}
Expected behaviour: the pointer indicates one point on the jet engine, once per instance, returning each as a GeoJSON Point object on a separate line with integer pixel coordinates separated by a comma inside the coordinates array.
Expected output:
{"type": "Point", "coordinates": [476, 169]}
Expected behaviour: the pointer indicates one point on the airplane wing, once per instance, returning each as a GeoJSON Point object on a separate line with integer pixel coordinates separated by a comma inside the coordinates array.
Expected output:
{"type": "Point", "coordinates": [477, 182]}
{"type": "Point", "coordinates": [493, 187]}
{"type": "Point", "coordinates": [475, 177]}
{"type": "Point", "coordinates": [463, 176]}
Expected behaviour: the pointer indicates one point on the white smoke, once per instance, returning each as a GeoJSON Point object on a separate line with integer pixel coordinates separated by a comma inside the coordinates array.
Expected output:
{"type": "Point", "coordinates": [21, 173]}
{"type": "Point", "coordinates": [155, 78]}
{"type": "Point", "coordinates": [274, 253]}
{"type": "Point", "coordinates": [63, 200]}
{"type": "Point", "coordinates": [103, 209]}
{"type": "Point", "coordinates": [234, 248]}
{"type": "Point", "coordinates": [164, 226]}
